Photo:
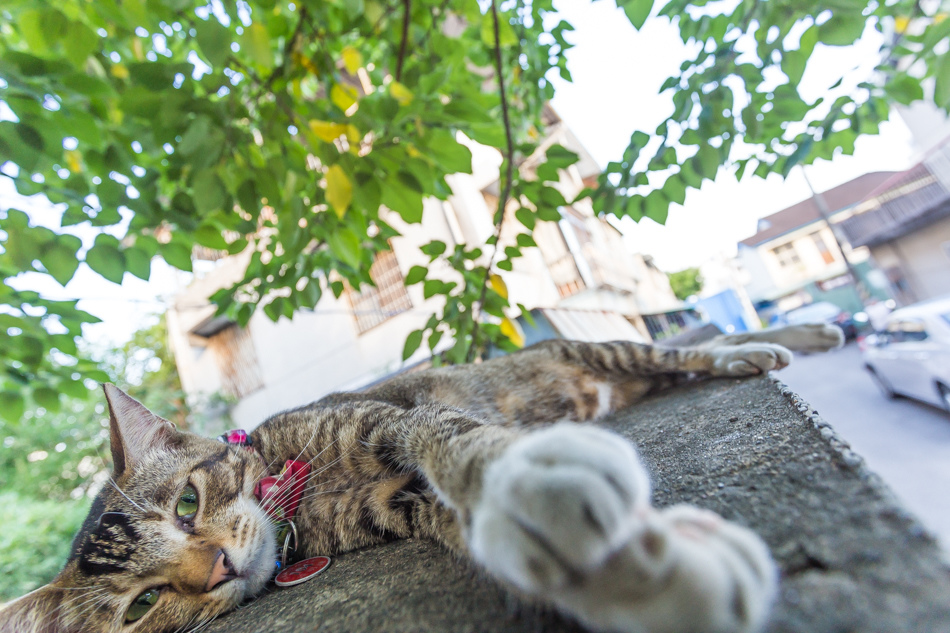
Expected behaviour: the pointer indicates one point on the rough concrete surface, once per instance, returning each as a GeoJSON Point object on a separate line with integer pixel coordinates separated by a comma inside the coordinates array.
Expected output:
{"type": "Point", "coordinates": [851, 559]}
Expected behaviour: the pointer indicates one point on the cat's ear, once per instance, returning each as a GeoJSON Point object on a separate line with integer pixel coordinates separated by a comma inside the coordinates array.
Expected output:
{"type": "Point", "coordinates": [34, 612]}
{"type": "Point", "coordinates": [135, 430]}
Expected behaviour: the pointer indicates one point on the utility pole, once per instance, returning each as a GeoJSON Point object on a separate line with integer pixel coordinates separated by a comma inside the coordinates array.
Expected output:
{"type": "Point", "coordinates": [825, 212]}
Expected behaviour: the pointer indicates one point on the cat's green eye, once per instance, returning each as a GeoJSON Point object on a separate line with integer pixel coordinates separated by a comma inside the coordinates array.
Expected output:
{"type": "Point", "coordinates": [140, 606]}
{"type": "Point", "coordinates": [187, 503]}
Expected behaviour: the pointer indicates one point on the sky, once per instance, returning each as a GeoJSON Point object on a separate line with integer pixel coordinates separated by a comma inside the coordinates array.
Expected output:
{"type": "Point", "coordinates": [617, 73]}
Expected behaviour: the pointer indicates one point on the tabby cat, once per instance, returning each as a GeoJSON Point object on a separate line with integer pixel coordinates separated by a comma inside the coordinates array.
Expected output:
{"type": "Point", "coordinates": [561, 512]}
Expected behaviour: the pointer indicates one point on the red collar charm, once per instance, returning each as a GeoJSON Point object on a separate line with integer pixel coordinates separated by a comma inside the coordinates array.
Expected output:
{"type": "Point", "coordinates": [279, 496]}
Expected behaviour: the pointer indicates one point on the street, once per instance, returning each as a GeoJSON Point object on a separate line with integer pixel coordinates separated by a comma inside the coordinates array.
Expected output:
{"type": "Point", "coordinates": [904, 441]}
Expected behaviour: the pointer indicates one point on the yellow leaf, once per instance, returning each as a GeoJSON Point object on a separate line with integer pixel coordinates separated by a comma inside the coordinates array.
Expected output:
{"type": "Point", "coordinates": [353, 134]}
{"type": "Point", "coordinates": [352, 60]}
{"type": "Point", "coordinates": [137, 49]}
{"type": "Point", "coordinates": [498, 285]}
{"type": "Point", "coordinates": [339, 190]}
{"type": "Point", "coordinates": [343, 97]}
{"type": "Point", "coordinates": [74, 160]}
{"type": "Point", "coordinates": [400, 93]}
{"type": "Point", "coordinates": [304, 62]}
{"type": "Point", "coordinates": [327, 131]}
{"type": "Point", "coordinates": [412, 151]}
{"type": "Point", "coordinates": [512, 331]}
{"type": "Point", "coordinates": [119, 71]}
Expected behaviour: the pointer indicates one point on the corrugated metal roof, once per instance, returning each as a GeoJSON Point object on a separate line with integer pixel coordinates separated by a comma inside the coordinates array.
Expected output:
{"type": "Point", "coordinates": [591, 325]}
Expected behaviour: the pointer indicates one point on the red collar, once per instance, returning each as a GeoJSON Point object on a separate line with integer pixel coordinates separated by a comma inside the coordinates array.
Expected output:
{"type": "Point", "coordinates": [279, 495]}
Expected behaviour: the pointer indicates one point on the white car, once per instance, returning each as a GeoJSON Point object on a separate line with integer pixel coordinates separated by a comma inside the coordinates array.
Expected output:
{"type": "Point", "coordinates": [911, 356]}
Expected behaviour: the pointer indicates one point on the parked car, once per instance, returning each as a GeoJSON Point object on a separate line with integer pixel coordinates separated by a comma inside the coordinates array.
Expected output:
{"type": "Point", "coordinates": [823, 312]}
{"type": "Point", "coordinates": [911, 356]}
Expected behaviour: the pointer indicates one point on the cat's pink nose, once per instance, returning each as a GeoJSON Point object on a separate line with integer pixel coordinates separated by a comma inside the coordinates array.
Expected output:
{"type": "Point", "coordinates": [222, 571]}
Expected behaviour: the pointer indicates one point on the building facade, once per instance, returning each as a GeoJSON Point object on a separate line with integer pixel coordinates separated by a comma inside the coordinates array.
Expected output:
{"type": "Point", "coordinates": [347, 342]}
{"type": "Point", "coordinates": [794, 257]}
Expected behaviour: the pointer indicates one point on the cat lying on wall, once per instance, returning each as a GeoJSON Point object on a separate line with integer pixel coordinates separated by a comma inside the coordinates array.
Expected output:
{"type": "Point", "coordinates": [486, 459]}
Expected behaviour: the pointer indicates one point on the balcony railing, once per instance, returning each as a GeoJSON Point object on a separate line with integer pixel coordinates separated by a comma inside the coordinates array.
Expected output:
{"type": "Point", "coordinates": [908, 201]}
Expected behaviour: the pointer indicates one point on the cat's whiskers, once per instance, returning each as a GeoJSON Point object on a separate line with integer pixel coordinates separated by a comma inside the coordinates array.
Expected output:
{"type": "Point", "coordinates": [119, 490]}
{"type": "Point", "coordinates": [95, 595]}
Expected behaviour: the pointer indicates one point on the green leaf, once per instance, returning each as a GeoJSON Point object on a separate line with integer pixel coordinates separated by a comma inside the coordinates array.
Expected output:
{"type": "Point", "coordinates": [209, 194]}
{"type": "Point", "coordinates": [413, 341]}
{"type": "Point", "coordinates": [12, 405]}
{"type": "Point", "coordinates": [47, 398]}
{"type": "Point", "coordinates": [310, 295]}
{"type": "Point", "coordinates": [842, 29]}
{"type": "Point", "coordinates": [60, 259]}
{"type": "Point", "coordinates": [79, 42]}
{"type": "Point", "coordinates": [450, 155]}
{"type": "Point", "coordinates": [433, 249]}
{"type": "Point", "coordinates": [346, 245]}
{"type": "Point", "coordinates": [138, 262]}
{"type": "Point", "coordinates": [942, 82]}
{"type": "Point", "coordinates": [526, 217]}
{"type": "Point", "coordinates": [403, 200]}
{"type": "Point", "coordinates": [214, 39]}
{"type": "Point", "coordinates": [415, 275]}
{"type": "Point", "coordinates": [656, 207]}
{"type": "Point", "coordinates": [560, 156]}
{"type": "Point", "coordinates": [106, 259]}
{"type": "Point", "coordinates": [637, 11]}
{"type": "Point", "coordinates": [176, 254]}
{"type": "Point", "coordinates": [210, 236]}
{"type": "Point", "coordinates": [255, 42]}
{"type": "Point", "coordinates": [432, 287]}
{"type": "Point", "coordinates": [524, 240]}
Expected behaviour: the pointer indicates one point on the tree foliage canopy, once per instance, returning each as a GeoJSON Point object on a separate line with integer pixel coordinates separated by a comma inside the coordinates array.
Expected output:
{"type": "Point", "coordinates": [286, 126]}
{"type": "Point", "coordinates": [685, 283]}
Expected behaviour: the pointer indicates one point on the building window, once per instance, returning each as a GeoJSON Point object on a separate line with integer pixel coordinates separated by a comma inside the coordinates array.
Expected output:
{"type": "Point", "coordinates": [786, 255]}
{"type": "Point", "coordinates": [374, 304]}
{"type": "Point", "coordinates": [236, 358]}
{"type": "Point", "coordinates": [822, 247]}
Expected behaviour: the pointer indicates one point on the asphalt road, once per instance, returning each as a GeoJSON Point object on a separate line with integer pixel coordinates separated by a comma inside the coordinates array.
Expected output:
{"type": "Point", "coordinates": [904, 441]}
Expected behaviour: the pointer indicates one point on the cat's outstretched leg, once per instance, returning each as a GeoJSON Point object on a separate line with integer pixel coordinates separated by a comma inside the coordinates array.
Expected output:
{"type": "Point", "coordinates": [565, 515]}
{"type": "Point", "coordinates": [808, 337]}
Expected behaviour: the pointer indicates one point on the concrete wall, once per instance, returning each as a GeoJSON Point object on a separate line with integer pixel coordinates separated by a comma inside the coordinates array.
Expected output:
{"type": "Point", "coordinates": [924, 259]}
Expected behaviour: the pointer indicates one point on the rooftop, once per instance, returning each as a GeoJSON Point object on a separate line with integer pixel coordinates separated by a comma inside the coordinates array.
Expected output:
{"type": "Point", "coordinates": [806, 212]}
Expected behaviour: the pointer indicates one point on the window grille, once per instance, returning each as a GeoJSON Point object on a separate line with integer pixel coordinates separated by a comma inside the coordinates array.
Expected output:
{"type": "Point", "coordinates": [236, 358]}
{"type": "Point", "coordinates": [787, 255]}
{"type": "Point", "coordinates": [374, 304]}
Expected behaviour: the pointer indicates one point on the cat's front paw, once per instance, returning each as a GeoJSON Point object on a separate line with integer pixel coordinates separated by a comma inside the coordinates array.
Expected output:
{"type": "Point", "coordinates": [565, 516]}
{"type": "Point", "coordinates": [556, 505]}
{"type": "Point", "coordinates": [749, 359]}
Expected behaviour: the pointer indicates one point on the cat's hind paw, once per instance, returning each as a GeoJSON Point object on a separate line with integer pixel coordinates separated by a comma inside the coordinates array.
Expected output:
{"type": "Point", "coordinates": [749, 359]}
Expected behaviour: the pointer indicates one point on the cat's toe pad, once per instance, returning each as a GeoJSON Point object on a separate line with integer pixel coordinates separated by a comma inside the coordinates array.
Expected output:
{"type": "Point", "coordinates": [557, 504]}
{"type": "Point", "coordinates": [750, 359]}
{"type": "Point", "coordinates": [685, 569]}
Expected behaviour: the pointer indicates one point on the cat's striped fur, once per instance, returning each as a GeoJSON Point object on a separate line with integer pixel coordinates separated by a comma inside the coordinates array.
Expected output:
{"type": "Point", "coordinates": [560, 512]}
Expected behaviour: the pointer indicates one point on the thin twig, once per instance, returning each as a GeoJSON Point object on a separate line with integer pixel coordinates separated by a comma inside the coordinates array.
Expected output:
{"type": "Point", "coordinates": [406, 15]}
{"type": "Point", "coordinates": [506, 190]}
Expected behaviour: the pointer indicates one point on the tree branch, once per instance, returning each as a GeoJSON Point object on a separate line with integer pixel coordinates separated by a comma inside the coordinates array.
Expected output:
{"type": "Point", "coordinates": [506, 190]}
{"type": "Point", "coordinates": [406, 15]}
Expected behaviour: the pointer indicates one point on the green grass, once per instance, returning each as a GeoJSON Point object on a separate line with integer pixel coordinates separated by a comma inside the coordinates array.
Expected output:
{"type": "Point", "coordinates": [35, 536]}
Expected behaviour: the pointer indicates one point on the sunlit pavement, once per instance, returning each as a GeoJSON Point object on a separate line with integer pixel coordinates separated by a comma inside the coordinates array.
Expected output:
{"type": "Point", "coordinates": [906, 442]}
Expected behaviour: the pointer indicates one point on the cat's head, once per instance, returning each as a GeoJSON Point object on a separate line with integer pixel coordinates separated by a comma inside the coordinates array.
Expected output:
{"type": "Point", "coordinates": [175, 538]}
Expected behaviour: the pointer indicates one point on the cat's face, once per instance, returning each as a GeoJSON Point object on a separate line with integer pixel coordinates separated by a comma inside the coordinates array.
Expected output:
{"type": "Point", "coordinates": [178, 539]}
